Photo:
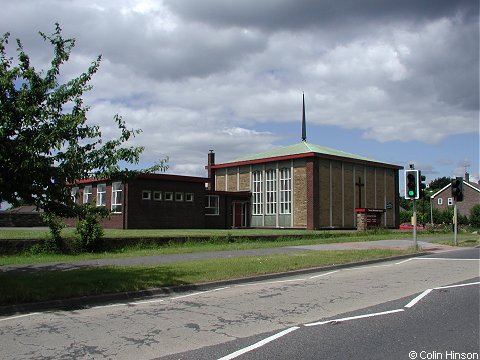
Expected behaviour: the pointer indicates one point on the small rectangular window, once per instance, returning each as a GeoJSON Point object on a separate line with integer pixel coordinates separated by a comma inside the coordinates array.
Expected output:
{"type": "Point", "coordinates": [440, 201]}
{"type": "Point", "coordinates": [157, 195]}
{"type": "Point", "coordinates": [189, 197]}
{"type": "Point", "coordinates": [146, 195]}
{"type": "Point", "coordinates": [450, 201]}
{"type": "Point", "coordinates": [168, 196]}
{"type": "Point", "coordinates": [101, 194]}
{"type": "Point", "coordinates": [178, 196]}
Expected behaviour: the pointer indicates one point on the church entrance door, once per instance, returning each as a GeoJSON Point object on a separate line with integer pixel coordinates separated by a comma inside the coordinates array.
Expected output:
{"type": "Point", "coordinates": [240, 214]}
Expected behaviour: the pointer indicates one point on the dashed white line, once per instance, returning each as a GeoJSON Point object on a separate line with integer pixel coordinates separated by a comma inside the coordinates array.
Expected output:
{"type": "Point", "coordinates": [418, 298]}
{"type": "Point", "coordinates": [259, 344]}
{"type": "Point", "coordinates": [354, 317]}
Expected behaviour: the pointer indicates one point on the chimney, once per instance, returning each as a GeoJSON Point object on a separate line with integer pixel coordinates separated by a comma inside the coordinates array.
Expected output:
{"type": "Point", "coordinates": [211, 172]}
{"type": "Point", "coordinates": [304, 124]}
{"type": "Point", "coordinates": [467, 177]}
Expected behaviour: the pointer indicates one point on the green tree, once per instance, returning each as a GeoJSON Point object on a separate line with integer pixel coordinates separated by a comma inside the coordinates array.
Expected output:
{"type": "Point", "coordinates": [439, 183]}
{"type": "Point", "coordinates": [46, 143]}
{"type": "Point", "coordinates": [475, 216]}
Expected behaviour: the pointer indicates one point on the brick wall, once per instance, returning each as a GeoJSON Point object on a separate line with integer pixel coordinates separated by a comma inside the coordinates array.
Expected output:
{"type": "Point", "coordinates": [299, 194]}
{"type": "Point", "coordinates": [151, 213]}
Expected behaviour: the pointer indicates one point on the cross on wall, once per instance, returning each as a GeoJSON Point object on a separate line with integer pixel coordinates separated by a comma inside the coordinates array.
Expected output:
{"type": "Point", "coordinates": [360, 185]}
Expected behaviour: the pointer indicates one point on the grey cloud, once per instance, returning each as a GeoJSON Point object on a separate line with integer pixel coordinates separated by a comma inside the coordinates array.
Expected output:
{"type": "Point", "coordinates": [282, 14]}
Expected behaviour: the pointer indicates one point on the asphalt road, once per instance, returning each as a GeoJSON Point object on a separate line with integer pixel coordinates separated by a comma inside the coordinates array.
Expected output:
{"type": "Point", "coordinates": [220, 322]}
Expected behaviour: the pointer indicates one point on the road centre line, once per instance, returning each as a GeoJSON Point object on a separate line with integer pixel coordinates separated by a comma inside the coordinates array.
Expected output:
{"type": "Point", "coordinates": [259, 344]}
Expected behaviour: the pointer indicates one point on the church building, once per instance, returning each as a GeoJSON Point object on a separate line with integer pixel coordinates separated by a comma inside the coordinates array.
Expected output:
{"type": "Point", "coordinates": [307, 186]}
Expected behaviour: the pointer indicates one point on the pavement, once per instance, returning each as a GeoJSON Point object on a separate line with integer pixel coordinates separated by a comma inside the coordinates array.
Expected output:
{"type": "Point", "coordinates": [173, 258]}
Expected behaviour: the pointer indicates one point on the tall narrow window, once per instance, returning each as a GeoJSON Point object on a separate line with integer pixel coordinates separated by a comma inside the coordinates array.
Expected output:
{"type": "Point", "coordinates": [76, 195]}
{"type": "Point", "coordinates": [257, 193]}
{"type": "Point", "coordinates": [87, 194]}
{"type": "Point", "coordinates": [117, 197]}
{"type": "Point", "coordinates": [285, 191]}
{"type": "Point", "coordinates": [271, 191]}
{"type": "Point", "coordinates": [101, 194]}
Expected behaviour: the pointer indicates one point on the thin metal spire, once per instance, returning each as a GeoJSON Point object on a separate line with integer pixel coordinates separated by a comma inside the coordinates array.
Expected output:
{"type": "Point", "coordinates": [304, 124]}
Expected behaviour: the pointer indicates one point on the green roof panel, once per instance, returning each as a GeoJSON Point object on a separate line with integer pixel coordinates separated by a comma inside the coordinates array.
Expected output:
{"type": "Point", "coordinates": [297, 149]}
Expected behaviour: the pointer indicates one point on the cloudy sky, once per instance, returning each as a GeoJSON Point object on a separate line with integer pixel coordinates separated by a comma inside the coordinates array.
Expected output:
{"type": "Point", "coordinates": [396, 81]}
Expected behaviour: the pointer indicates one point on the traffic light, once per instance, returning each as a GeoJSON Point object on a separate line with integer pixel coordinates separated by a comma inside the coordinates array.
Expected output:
{"type": "Point", "coordinates": [422, 185]}
{"type": "Point", "coordinates": [457, 188]}
{"type": "Point", "coordinates": [412, 184]}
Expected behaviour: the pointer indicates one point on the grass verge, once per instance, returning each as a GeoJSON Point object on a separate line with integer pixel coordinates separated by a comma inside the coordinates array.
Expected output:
{"type": "Point", "coordinates": [23, 287]}
{"type": "Point", "coordinates": [215, 243]}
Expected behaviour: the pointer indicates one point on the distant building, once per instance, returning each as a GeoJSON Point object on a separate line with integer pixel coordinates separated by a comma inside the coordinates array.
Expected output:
{"type": "Point", "coordinates": [442, 199]}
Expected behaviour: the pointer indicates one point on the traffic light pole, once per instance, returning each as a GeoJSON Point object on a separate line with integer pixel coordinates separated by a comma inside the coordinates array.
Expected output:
{"type": "Point", "coordinates": [455, 223]}
{"type": "Point", "coordinates": [414, 224]}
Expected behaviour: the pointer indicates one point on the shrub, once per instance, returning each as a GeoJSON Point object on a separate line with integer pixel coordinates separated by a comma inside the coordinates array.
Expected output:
{"type": "Point", "coordinates": [475, 216]}
{"type": "Point", "coordinates": [89, 230]}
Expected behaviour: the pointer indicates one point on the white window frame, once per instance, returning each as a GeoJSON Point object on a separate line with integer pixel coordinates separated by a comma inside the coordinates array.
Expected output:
{"type": "Point", "coordinates": [168, 196]}
{"type": "Point", "coordinates": [87, 194]}
{"type": "Point", "coordinates": [75, 193]}
{"type": "Point", "coordinates": [157, 196]}
{"type": "Point", "coordinates": [271, 192]}
{"type": "Point", "coordinates": [117, 198]}
{"type": "Point", "coordinates": [179, 196]}
{"type": "Point", "coordinates": [212, 205]}
{"type": "Point", "coordinates": [189, 197]}
{"type": "Point", "coordinates": [440, 201]}
{"type": "Point", "coordinates": [257, 193]}
{"type": "Point", "coordinates": [285, 179]}
{"type": "Point", "coordinates": [146, 195]}
{"type": "Point", "coordinates": [449, 201]}
{"type": "Point", "coordinates": [101, 194]}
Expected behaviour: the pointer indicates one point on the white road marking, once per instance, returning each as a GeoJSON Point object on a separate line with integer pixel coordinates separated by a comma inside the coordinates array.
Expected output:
{"type": "Point", "coordinates": [447, 259]}
{"type": "Point", "coordinates": [418, 298]}
{"type": "Point", "coordinates": [404, 261]}
{"type": "Point", "coordinates": [19, 316]}
{"type": "Point", "coordinates": [259, 344]}
{"type": "Point", "coordinates": [328, 273]}
{"type": "Point", "coordinates": [367, 267]}
{"type": "Point", "coordinates": [199, 293]}
{"type": "Point", "coordinates": [354, 317]}
{"type": "Point", "coordinates": [458, 285]}
{"type": "Point", "coordinates": [270, 282]}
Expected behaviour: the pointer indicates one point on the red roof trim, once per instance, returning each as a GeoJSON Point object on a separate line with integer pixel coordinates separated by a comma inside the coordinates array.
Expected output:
{"type": "Point", "coordinates": [299, 156]}
{"type": "Point", "coordinates": [167, 177]}
{"type": "Point", "coordinates": [171, 177]}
